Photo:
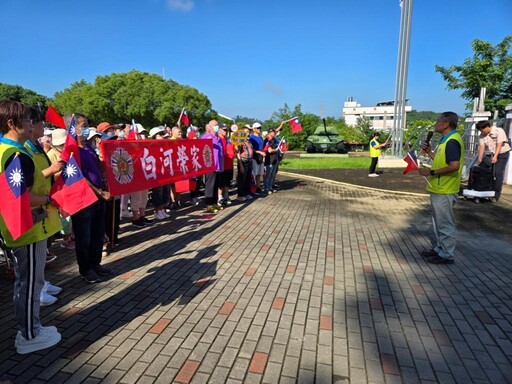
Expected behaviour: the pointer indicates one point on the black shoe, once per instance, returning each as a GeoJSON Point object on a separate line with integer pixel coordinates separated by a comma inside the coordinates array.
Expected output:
{"type": "Point", "coordinates": [146, 221]}
{"type": "Point", "coordinates": [439, 260]}
{"type": "Point", "coordinates": [427, 254]}
{"type": "Point", "coordinates": [138, 223]}
{"type": "Point", "coordinates": [91, 277]}
{"type": "Point", "coordinates": [102, 271]}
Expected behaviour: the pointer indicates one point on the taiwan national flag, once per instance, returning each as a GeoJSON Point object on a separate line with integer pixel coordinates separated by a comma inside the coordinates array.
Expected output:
{"type": "Point", "coordinates": [132, 132]}
{"type": "Point", "coordinates": [184, 117]}
{"type": "Point", "coordinates": [412, 162]}
{"type": "Point", "coordinates": [75, 194]}
{"type": "Point", "coordinates": [52, 116]}
{"type": "Point", "coordinates": [14, 204]}
{"type": "Point", "coordinates": [295, 125]}
{"type": "Point", "coordinates": [71, 144]}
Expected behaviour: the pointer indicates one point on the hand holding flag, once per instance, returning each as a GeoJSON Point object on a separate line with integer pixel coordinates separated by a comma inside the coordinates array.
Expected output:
{"type": "Point", "coordinates": [15, 204]}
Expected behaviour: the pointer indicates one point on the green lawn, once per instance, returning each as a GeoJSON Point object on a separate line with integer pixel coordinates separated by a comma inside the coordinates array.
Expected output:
{"type": "Point", "coordinates": [325, 163]}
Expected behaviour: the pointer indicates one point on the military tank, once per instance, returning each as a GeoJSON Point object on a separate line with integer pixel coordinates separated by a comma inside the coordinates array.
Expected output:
{"type": "Point", "coordinates": [326, 139]}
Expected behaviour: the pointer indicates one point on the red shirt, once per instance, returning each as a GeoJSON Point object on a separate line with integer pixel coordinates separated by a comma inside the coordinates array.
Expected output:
{"type": "Point", "coordinates": [229, 153]}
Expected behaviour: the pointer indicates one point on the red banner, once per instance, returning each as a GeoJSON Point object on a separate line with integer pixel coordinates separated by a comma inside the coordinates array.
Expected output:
{"type": "Point", "coordinates": [135, 165]}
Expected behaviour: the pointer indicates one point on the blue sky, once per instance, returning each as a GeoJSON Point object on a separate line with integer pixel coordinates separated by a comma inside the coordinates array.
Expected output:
{"type": "Point", "coordinates": [250, 57]}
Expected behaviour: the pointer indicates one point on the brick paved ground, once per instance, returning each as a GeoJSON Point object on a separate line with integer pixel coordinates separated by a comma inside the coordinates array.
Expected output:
{"type": "Point", "coordinates": [329, 289]}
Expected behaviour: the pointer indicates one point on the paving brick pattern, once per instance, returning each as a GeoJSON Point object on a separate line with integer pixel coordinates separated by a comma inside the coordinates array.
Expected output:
{"type": "Point", "coordinates": [328, 287]}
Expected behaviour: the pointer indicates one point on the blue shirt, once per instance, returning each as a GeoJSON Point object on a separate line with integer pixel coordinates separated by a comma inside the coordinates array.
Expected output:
{"type": "Point", "coordinates": [257, 142]}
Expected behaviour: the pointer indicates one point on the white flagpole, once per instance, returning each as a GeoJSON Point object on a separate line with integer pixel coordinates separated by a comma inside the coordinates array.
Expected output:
{"type": "Point", "coordinates": [418, 168]}
{"type": "Point", "coordinates": [225, 117]}
{"type": "Point", "coordinates": [181, 114]}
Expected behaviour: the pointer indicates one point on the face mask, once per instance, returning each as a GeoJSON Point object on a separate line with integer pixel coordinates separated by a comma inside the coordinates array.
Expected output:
{"type": "Point", "coordinates": [85, 132]}
{"type": "Point", "coordinates": [121, 134]}
{"type": "Point", "coordinates": [216, 129]}
{"type": "Point", "coordinates": [142, 136]}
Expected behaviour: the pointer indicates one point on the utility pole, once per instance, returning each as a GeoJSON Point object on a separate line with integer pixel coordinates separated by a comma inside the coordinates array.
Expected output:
{"type": "Point", "coordinates": [402, 70]}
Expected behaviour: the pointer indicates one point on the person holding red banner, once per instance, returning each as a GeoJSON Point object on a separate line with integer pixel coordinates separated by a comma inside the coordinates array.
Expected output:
{"type": "Point", "coordinates": [89, 222]}
{"type": "Point", "coordinates": [244, 155]}
{"type": "Point", "coordinates": [212, 180]}
{"type": "Point", "coordinates": [175, 196]}
{"type": "Point", "coordinates": [227, 174]}
{"type": "Point", "coordinates": [29, 249]}
{"type": "Point", "coordinates": [160, 195]}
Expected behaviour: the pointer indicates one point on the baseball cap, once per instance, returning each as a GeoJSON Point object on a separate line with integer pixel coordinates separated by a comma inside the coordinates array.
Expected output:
{"type": "Point", "coordinates": [256, 126]}
{"type": "Point", "coordinates": [156, 130]}
{"type": "Point", "coordinates": [92, 133]}
{"type": "Point", "coordinates": [247, 126]}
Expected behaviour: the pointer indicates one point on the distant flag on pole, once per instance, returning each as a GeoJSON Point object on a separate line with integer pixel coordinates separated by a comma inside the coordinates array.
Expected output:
{"type": "Point", "coordinates": [412, 162]}
{"type": "Point", "coordinates": [52, 116]}
{"type": "Point", "coordinates": [75, 194]}
{"type": "Point", "coordinates": [295, 125]}
{"type": "Point", "coordinates": [283, 146]}
{"type": "Point", "coordinates": [14, 204]}
{"type": "Point", "coordinates": [132, 132]}
{"type": "Point", "coordinates": [71, 144]}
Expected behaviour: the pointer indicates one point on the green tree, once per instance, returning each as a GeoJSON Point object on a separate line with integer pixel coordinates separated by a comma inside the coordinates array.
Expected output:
{"type": "Point", "coordinates": [365, 126]}
{"type": "Point", "coordinates": [490, 67]}
{"type": "Point", "coordinates": [147, 98]}
{"type": "Point", "coordinates": [23, 95]}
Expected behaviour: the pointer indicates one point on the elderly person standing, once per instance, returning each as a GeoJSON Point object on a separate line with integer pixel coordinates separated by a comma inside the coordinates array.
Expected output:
{"type": "Point", "coordinates": [258, 164]}
{"type": "Point", "coordinates": [160, 195]}
{"type": "Point", "coordinates": [89, 222]}
{"type": "Point", "coordinates": [244, 163]}
{"type": "Point", "coordinates": [212, 180]}
{"type": "Point", "coordinates": [493, 148]}
{"type": "Point", "coordinates": [29, 249]}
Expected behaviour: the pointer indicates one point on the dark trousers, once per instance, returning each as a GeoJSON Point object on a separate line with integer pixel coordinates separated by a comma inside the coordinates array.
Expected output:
{"type": "Point", "coordinates": [373, 165]}
{"type": "Point", "coordinates": [212, 182]}
{"type": "Point", "coordinates": [195, 193]}
{"type": "Point", "coordinates": [243, 180]}
{"type": "Point", "coordinates": [89, 228]}
{"type": "Point", "coordinates": [112, 219]}
{"type": "Point", "coordinates": [499, 171]}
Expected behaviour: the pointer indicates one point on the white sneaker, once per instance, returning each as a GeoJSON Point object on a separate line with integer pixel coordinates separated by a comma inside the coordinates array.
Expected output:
{"type": "Point", "coordinates": [51, 289]}
{"type": "Point", "coordinates": [160, 215]}
{"type": "Point", "coordinates": [47, 338]}
{"type": "Point", "coordinates": [248, 197]}
{"type": "Point", "coordinates": [241, 198]}
{"type": "Point", "coordinates": [373, 175]}
{"type": "Point", "coordinates": [165, 215]}
{"type": "Point", "coordinates": [47, 299]}
{"type": "Point", "coordinates": [50, 328]}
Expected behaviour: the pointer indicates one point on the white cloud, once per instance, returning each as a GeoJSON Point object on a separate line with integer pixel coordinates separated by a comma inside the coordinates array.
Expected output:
{"type": "Point", "coordinates": [273, 89]}
{"type": "Point", "coordinates": [181, 5]}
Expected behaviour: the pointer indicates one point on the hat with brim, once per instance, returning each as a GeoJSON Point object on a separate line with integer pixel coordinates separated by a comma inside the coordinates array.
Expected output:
{"type": "Point", "coordinates": [256, 126]}
{"type": "Point", "coordinates": [93, 133]}
{"type": "Point", "coordinates": [102, 127]}
{"type": "Point", "coordinates": [47, 131]}
{"type": "Point", "coordinates": [59, 136]}
{"type": "Point", "coordinates": [156, 130]}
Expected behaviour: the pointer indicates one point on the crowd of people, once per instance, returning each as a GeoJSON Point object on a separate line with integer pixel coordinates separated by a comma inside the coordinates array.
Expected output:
{"type": "Point", "coordinates": [91, 230]}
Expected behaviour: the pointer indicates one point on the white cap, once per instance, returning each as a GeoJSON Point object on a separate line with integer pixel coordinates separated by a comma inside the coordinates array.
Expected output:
{"type": "Point", "coordinates": [155, 130]}
{"type": "Point", "coordinates": [93, 132]}
{"type": "Point", "coordinates": [256, 125]}
{"type": "Point", "coordinates": [140, 128]}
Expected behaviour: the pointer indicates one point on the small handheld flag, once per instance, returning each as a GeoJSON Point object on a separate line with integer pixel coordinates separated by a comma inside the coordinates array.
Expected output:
{"type": "Point", "coordinates": [132, 132]}
{"type": "Point", "coordinates": [412, 162]}
{"type": "Point", "coordinates": [71, 144]}
{"type": "Point", "coordinates": [295, 125]}
{"type": "Point", "coordinates": [75, 193]}
{"type": "Point", "coordinates": [15, 204]}
{"type": "Point", "coordinates": [184, 117]}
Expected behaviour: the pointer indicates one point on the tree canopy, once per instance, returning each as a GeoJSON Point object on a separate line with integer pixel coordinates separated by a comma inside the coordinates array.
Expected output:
{"type": "Point", "coordinates": [147, 98]}
{"type": "Point", "coordinates": [490, 67]}
{"type": "Point", "coordinates": [23, 95]}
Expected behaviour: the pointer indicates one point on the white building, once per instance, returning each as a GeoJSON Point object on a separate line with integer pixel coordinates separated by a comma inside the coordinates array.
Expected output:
{"type": "Point", "coordinates": [381, 115]}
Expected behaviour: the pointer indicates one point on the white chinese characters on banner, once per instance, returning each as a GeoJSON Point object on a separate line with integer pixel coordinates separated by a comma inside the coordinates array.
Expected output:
{"type": "Point", "coordinates": [167, 163]}
{"type": "Point", "coordinates": [148, 165]}
{"type": "Point", "coordinates": [182, 159]}
{"type": "Point", "coordinates": [195, 159]}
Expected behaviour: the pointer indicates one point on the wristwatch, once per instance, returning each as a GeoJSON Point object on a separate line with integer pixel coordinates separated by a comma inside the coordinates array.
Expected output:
{"type": "Point", "coordinates": [432, 172]}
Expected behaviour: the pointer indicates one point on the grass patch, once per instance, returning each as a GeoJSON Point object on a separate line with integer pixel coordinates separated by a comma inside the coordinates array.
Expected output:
{"type": "Point", "coordinates": [325, 163]}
